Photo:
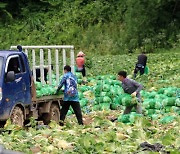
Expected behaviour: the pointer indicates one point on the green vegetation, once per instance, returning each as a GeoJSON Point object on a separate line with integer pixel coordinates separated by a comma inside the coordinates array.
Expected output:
{"type": "Point", "coordinates": [104, 27]}
{"type": "Point", "coordinates": [99, 135]}
{"type": "Point", "coordinates": [164, 67]}
{"type": "Point", "coordinates": [119, 30]}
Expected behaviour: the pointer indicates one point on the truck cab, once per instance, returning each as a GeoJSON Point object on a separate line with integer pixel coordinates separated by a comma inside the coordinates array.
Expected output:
{"type": "Point", "coordinates": [18, 99]}
{"type": "Point", "coordinates": [15, 83]}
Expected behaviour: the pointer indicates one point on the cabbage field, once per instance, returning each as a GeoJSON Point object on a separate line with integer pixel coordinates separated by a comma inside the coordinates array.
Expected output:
{"type": "Point", "coordinates": [102, 101]}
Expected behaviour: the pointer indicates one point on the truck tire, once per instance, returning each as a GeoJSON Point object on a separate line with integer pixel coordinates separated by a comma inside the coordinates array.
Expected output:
{"type": "Point", "coordinates": [54, 114]}
{"type": "Point", "coordinates": [17, 116]}
{"type": "Point", "coordinates": [2, 123]}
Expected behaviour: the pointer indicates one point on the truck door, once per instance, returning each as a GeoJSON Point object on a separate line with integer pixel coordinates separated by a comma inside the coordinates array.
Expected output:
{"type": "Point", "coordinates": [14, 90]}
{"type": "Point", "coordinates": [26, 79]}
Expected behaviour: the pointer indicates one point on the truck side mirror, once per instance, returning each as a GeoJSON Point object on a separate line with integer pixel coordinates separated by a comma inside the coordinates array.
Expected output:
{"type": "Point", "coordinates": [10, 76]}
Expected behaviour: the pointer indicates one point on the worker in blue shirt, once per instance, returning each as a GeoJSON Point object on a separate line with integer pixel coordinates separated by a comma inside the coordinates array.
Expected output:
{"type": "Point", "coordinates": [71, 98]}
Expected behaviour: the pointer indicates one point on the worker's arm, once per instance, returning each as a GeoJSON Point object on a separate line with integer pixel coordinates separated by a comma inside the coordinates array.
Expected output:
{"type": "Point", "coordinates": [145, 60]}
{"type": "Point", "coordinates": [61, 83]}
{"type": "Point", "coordinates": [139, 87]}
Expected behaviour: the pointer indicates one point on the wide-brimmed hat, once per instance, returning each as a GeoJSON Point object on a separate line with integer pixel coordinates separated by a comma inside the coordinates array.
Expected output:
{"type": "Point", "coordinates": [80, 53]}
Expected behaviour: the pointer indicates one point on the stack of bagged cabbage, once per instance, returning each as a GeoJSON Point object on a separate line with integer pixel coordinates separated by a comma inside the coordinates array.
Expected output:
{"type": "Point", "coordinates": [105, 93]}
{"type": "Point", "coordinates": [164, 100]}
{"type": "Point", "coordinates": [46, 89]}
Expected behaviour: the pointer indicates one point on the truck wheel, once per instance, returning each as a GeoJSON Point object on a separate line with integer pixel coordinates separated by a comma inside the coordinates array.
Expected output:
{"type": "Point", "coordinates": [17, 116]}
{"type": "Point", "coordinates": [2, 123]}
{"type": "Point", "coordinates": [54, 114]}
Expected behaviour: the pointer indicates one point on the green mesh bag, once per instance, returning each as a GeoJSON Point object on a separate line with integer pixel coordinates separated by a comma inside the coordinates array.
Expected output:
{"type": "Point", "coordinates": [71, 109]}
{"type": "Point", "coordinates": [126, 100]}
{"type": "Point", "coordinates": [149, 103]}
{"type": "Point", "coordinates": [113, 91]}
{"type": "Point", "coordinates": [114, 106]}
{"type": "Point", "coordinates": [124, 118]}
{"type": "Point", "coordinates": [78, 75]}
{"type": "Point", "coordinates": [120, 99]}
{"type": "Point", "coordinates": [110, 95]}
{"type": "Point", "coordinates": [117, 100]}
{"type": "Point", "coordinates": [146, 104]}
{"type": "Point", "coordinates": [152, 94]}
{"type": "Point", "coordinates": [103, 77]}
{"type": "Point", "coordinates": [177, 102]}
{"type": "Point", "coordinates": [50, 90]}
{"type": "Point", "coordinates": [133, 116]}
{"type": "Point", "coordinates": [106, 88]}
{"type": "Point", "coordinates": [98, 77]}
{"type": "Point", "coordinates": [96, 108]}
{"type": "Point", "coordinates": [167, 119]}
{"type": "Point", "coordinates": [43, 91]}
{"type": "Point", "coordinates": [158, 104]}
{"type": "Point", "coordinates": [154, 116]}
{"type": "Point", "coordinates": [38, 93]}
{"type": "Point", "coordinates": [103, 94]}
{"type": "Point", "coordinates": [116, 82]}
{"type": "Point", "coordinates": [111, 77]}
{"type": "Point", "coordinates": [120, 91]}
{"type": "Point", "coordinates": [107, 81]}
{"type": "Point", "coordinates": [111, 82]}
{"type": "Point", "coordinates": [90, 79]}
{"type": "Point", "coordinates": [146, 70]}
{"type": "Point", "coordinates": [161, 90]}
{"type": "Point", "coordinates": [98, 89]}
{"type": "Point", "coordinates": [133, 109]}
{"type": "Point", "coordinates": [79, 81]}
{"type": "Point", "coordinates": [104, 106]}
{"type": "Point", "coordinates": [99, 99]}
{"type": "Point", "coordinates": [143, 93]}
{"type": "Point", "coordinates": [167, 109]}
{"type": "Point", "coordinates": [53, 90]}
{"type": "Point", "coordinates": [95, 103]}
{"type": "Point", "coordinates": [53, 76]}
{"type": "Point", "coordinates": [83, 102]}
{"type": "Point", "coordinates": [54, 83]}
{"type": "Point", "coordinates": [169, 101]}
{"type": "Point", "coordinates": [107, 99]}
{"type": "Point", "coordinates": [80, 95]}
{"type": "Point", "coordinates": [178, 112]}
{"type": "Point", "coordinates": [83, 88]}
{"type": "Point", "coordinates": [38, 85]}
{"type": "Point", "coordinates": [169, 92]}
{"type": "Point", "coordinates": [69, 112]}
{"type": "Point", "coordinates": [175, 109]}
{"type": "Point", "coordinates": [160, 96]}
{"type": "Point", "coordinates": [150, 111]}
{"type": "Point", "coordinates": [152, 103]}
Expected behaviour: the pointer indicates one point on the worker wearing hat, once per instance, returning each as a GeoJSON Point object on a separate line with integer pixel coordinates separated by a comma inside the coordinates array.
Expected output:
{"type": "Point", "coordinates": [80, 62]}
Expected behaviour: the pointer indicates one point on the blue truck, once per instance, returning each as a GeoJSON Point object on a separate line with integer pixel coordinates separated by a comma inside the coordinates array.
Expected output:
{"type": "Point", "coordinates": [18, 100]}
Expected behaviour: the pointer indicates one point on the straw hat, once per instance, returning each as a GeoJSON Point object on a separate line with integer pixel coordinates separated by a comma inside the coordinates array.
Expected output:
{"type": "Point", "coordinates": [80, 53]}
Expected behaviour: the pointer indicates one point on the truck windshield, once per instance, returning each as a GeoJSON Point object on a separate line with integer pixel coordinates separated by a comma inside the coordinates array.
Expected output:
{"type": "Point", "coordinates": [1, 64]}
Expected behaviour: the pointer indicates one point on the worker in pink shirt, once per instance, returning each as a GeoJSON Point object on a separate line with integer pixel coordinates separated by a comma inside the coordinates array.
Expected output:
{"type": "Point", "coordinates": [80, 62]}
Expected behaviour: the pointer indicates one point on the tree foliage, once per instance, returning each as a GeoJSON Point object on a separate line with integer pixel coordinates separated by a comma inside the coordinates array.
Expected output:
{"type": "Point", "coordinates": [98, 26]}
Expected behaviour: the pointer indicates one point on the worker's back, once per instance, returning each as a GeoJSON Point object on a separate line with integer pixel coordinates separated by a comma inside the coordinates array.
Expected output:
{"type": "Point", "coordinates": [142, 59]}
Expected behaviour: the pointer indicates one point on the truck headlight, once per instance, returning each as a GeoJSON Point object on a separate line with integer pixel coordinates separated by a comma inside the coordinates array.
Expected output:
{"type": "Point", "coordinates": [0, 94]}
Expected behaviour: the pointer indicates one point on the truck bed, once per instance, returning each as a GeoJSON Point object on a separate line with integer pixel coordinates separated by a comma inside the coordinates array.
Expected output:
{"type": "Point", "coordinates": [49, 98]}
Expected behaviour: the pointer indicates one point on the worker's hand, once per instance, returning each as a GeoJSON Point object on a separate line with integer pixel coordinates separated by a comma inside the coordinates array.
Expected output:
{"type": "Point", "coordinates": [134, 94]}
{"type": "Point", "coordinates": [57, 91]}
